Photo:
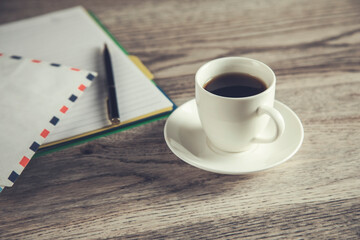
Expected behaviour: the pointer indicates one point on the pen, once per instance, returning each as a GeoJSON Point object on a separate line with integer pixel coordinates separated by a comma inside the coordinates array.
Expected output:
{"type": "Point", "coordinates": [112, 100]}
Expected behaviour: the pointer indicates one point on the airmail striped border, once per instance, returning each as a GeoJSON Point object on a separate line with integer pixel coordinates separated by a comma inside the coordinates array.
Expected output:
{"type": "Point", "coordinates": [34, 146]}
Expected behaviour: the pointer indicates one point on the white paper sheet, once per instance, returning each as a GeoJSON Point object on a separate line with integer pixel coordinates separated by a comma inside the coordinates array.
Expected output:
{"type": "Point", "coordinates": [72, 37]}
{"type": "Point", "coordinates": [34, 98]}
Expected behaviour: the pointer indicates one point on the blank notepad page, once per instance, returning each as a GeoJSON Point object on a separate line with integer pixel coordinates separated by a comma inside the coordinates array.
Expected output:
{"type": "Point", "coordinates": [72, 37]}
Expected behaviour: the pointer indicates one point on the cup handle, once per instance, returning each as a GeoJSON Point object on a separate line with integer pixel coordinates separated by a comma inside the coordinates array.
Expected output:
{"type": "Point", "coordinates": [278, 120]}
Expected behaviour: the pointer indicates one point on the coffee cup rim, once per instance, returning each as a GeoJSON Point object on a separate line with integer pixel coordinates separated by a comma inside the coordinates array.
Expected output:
{"type": "Point", "coordinates": [272, 84]}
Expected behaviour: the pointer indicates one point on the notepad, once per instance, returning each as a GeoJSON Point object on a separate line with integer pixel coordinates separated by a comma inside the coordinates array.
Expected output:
{"type": "Point", "coordinates": [35, 97]}
{"type": "Point", "coordinates": [74, 37]}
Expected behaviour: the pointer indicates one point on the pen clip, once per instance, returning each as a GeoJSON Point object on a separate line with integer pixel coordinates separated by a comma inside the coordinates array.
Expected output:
{"type": "Point", "coordinates": [113, 121]}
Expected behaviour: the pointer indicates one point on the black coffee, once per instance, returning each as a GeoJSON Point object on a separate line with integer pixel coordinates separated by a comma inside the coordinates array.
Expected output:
{"type": "Point", "coordinates": [235, 85]}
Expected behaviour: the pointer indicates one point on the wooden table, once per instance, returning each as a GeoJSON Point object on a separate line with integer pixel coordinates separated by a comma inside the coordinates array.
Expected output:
{"type": "Point", "coordinates": [130, 185]}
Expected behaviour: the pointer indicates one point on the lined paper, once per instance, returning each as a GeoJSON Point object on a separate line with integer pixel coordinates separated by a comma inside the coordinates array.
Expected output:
{"type": "Point", "coordinates": [73, 38]}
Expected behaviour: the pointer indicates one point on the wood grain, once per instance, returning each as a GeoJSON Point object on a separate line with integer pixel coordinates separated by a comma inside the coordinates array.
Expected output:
{"type": "Point", "coordinates": [130, 186]}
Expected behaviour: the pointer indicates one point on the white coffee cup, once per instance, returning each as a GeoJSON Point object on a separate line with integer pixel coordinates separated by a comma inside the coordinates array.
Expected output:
{"type": "Point", "coordinates": [235, 124]}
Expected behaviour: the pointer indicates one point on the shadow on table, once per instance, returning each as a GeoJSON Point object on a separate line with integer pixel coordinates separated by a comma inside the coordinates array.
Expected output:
{"type": "Point", "coordinates": [129, 164]}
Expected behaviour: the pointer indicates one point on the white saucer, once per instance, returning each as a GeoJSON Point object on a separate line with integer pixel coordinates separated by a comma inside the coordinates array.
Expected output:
{"type": "Point", "coordinates": [186, 139]}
